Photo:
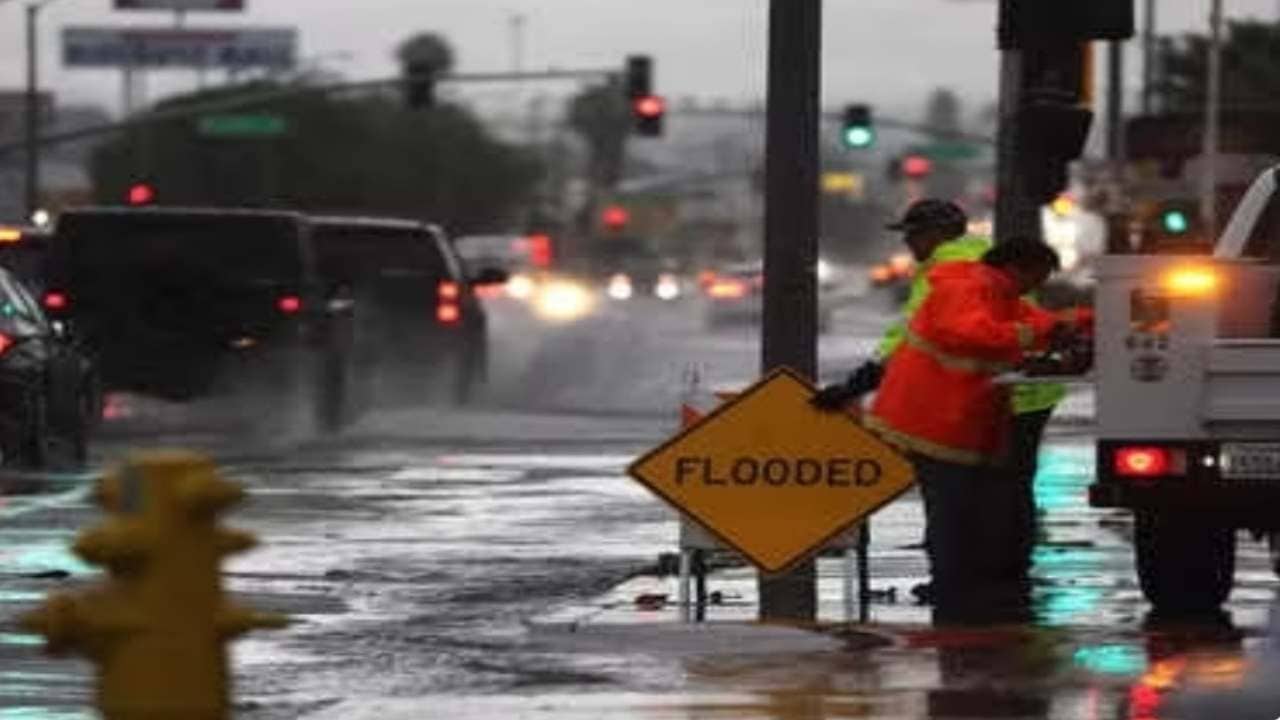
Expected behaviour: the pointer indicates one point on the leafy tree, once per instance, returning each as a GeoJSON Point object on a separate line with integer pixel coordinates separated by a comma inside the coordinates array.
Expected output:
{"type": "Point", "coordinates": [1250, 69]}
{"type": "Point", "coordinates": [345, 154]}
{"type": "Point", "coordinates": [943, 111]}
{"type": "Point", "coordinates": [429, 50]}
{"type": "Point", "coordinates": [601, 116]}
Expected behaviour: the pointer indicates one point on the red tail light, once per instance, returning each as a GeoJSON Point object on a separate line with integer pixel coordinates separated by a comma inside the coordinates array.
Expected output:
{"type": "Point", "coordinates": [289, 304]}
{"type": "Point", "coordinates": [540, 251]}
{"type": "Point", "coordinates": [448, 314]}
{"type": "Point", "coordinates": [6, 342]}
{"type": "Point", "coordinates": [1146, 461]}
{"type": "Point", "coordinates": [54, 300]}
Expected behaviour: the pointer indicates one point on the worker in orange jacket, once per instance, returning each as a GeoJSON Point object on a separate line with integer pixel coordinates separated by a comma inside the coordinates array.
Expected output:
{"type": "Point", "coordinates": [939, 403]}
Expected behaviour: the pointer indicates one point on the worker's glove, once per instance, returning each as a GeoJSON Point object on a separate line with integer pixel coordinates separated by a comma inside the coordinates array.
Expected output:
{"type": "Point", "coordinates": [867, 377]}
{"type": "Point", "coordinates": [834, 398]}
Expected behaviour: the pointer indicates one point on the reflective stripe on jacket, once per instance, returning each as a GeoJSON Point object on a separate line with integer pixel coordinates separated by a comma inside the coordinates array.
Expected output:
{"type": "Point", "coordinates": [937, 397]}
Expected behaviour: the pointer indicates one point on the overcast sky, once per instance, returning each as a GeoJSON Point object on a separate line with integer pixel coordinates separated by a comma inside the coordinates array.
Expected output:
{"type": "Point", "coordinates": [887, 52]}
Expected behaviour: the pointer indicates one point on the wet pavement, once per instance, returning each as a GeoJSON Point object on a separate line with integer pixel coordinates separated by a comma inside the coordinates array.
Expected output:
{"type": "Point", "coordinates": [487, 563]}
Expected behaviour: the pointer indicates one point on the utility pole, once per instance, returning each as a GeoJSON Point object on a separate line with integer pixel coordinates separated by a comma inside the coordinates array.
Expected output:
{"type": "Point", "coordinates": [1117, 211]}
{"type": "Point", "coordinates": [1212, 114]}
{"type": "Point", "coordinates": [517, 63]}
{"type": "Point", "coordinates": [790, 332]}
{"type": "Point", "coordinates": [1115, 101]}
{"type": "Point", "coordinates": [1148, 56]}
{"type": "Point", "coordinates": [32, 113]}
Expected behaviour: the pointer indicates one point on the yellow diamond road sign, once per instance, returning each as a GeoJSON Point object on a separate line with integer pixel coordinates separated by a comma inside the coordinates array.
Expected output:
{"type": "Point", "coordinates": [772, 477]}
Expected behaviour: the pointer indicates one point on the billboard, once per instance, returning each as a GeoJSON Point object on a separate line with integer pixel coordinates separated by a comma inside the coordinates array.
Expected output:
{"type": "Point", "coordinates": [132, 47]}
{"type": "Point", "coordinates": [179, 5]}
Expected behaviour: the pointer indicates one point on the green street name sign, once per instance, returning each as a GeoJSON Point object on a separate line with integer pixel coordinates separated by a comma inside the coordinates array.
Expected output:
{"type": "Point", "coordinates": [950, 151]}
{"type": "Point", "coordinates": [238, 126]}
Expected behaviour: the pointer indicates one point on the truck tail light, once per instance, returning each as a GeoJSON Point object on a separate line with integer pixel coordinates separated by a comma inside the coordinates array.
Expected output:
{"type": "Point", "coordinates": [6, 342]}
{"type": "Point", "coordinates": [289, 304]}
{"type": "Point", "coordinates": [1148, 461]}
{"type": "Point", "coordinates": [56, 301]}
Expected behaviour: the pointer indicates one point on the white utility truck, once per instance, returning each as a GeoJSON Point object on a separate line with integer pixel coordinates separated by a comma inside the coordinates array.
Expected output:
{"type": "Point", "coordinates": [1188, 402]}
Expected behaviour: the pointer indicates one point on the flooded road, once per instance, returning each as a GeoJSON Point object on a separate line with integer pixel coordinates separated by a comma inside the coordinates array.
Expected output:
{"type": "Point", "coordinates": [495, 562]}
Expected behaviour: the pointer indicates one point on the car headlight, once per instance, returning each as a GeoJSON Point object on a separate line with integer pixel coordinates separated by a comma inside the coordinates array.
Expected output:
{"type": "Point", "coordinates": [563, 300]}
{"type": "Point", "coordinates": [825, 271]}
{"type": "Point", "coordinates": [620, 287]}
{"type": "Point", "coordinates": [667, 287]}
{"type": "Point", "coordinates": [521, 287]}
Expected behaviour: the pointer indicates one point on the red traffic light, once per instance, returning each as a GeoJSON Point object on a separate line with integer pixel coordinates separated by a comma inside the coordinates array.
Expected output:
{"type": "Point", "coordinates": [615, 217]}
{"type": "Point", "coordinates": [916, 166]}
{"type": "Point", "coordinates": [649, 106]}
{"type": "Point", "coordinates": [141, 194]}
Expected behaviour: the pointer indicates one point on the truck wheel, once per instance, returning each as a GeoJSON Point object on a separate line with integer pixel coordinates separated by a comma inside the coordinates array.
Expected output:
{"type": "Point", "coordinates": [1184, 566]}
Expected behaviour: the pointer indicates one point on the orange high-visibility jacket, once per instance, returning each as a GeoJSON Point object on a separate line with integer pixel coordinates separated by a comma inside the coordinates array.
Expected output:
{"type": "Point", "coordinates": [937, 397]}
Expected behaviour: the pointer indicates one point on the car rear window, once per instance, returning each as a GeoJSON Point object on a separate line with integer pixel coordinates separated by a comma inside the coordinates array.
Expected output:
{"type": "Point", "coordinates": [350, 253]}
{"type": "Point", "coordinates": [249, 248]}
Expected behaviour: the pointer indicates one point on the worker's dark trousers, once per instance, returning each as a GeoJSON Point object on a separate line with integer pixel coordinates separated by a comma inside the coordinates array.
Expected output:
{"type": "Point", "coordinates": [971, 517]}
{"type": "Point", "coordinates": [1027, 432]}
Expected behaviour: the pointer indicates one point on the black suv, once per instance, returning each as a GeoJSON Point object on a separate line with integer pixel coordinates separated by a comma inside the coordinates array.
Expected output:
{"type": "Point", "coordinates": [421, 334]}
{"type": "Point", "coordinates": [185, 304]}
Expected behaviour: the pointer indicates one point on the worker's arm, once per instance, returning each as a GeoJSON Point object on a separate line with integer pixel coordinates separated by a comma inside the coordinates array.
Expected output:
{"type": "Point", "coordinates": [960, 319]}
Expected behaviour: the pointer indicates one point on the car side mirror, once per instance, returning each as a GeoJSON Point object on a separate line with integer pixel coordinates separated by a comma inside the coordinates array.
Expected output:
{"type": "Point", "coordinates": [490, 276]}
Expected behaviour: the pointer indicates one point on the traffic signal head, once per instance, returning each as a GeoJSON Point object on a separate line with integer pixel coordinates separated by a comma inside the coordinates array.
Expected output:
{"type": "Point", "coordinates": [639, 76]}
{"type": "Point", "coordinates": [1034, 23]}
{"type": "Point", "coordinates": [1175, 221]}
{"type": "Point", "coordinates": [141, 194]}
{"type": "Point", "coordinates": [1050, 137]}
{"type": "Point", "coordinates": [419, 86]}
{"type": "Point", "coordinates": [1174, 226]}
{"type": "Point", "coordinates": [857, 130]}
{"type": "Point", "coordinates": [615, 217]}
{"type": "Point", "coordinates": [917, 167]}
{"type": "Point", "coordinates": [647, 113]}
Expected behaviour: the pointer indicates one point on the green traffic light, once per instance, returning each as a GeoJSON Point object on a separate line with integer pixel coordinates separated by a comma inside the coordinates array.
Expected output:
{"type": "Point", "coordinates": [1175, 222]}
{"type": "Point", "coordinates": [859, 136]}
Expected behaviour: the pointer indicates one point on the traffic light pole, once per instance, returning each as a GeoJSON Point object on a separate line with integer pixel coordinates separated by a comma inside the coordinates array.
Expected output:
{"type": "Point", "coordinates": [1017, 214]}
{"type": "Point", "coordinates": [790, 332]}
{"type": "Point", "coordinates": [265, 98]}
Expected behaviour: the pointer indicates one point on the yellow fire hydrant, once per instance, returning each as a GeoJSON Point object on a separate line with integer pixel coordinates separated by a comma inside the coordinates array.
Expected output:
{"type": "Point", "coordinates": [158, 627]}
